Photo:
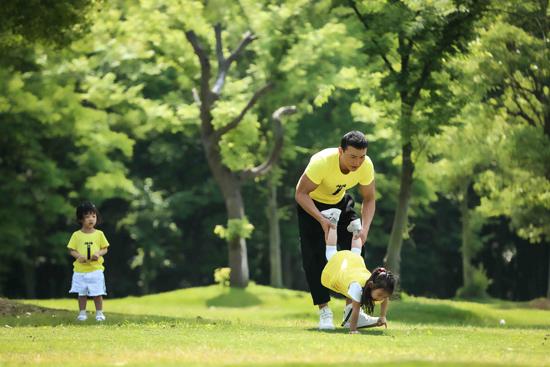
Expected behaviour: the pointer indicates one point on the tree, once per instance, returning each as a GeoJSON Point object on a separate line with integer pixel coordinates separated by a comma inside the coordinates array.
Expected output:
{"type": "Point", "coordinates": [229, 181]}
{"type": "Point", "coordinates": [413, 41]}
{"type": "Point", "coordinates": [510, 65]}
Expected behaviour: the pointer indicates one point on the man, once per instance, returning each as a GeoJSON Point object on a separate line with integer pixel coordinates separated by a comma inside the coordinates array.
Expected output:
{"type": "Point", "coordinates": [322, 187]}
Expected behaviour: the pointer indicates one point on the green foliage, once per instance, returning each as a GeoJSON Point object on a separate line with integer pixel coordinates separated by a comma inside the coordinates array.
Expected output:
{"type": "Point", "coordinates": [477, 288]}
{"type": "Point", "coordinates": [221, 276]}
{"type": "Point", "coordinates": [24, 23]}
{"type": "Point", "coordinates": [236, 228]}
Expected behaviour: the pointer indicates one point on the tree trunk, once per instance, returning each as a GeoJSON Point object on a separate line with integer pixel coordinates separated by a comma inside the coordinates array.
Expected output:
{"type": "Point", "coordinates": [393, 254]}
{"type": "Point", "coordinates": [276, 278]}
{"type": "Point", "coordinates": [238, 258]}
{"type": "Point", "coordinates": [466, 238]}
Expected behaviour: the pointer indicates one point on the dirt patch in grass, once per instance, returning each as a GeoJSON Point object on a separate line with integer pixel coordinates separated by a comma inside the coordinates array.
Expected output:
{"type": "Point", "coordinates": [13, 308]}
{"type": "Point", "coordinates": [540, 303]}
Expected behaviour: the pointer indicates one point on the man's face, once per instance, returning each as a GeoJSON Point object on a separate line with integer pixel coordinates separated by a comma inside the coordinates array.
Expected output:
{"type": "Point", "coordinates": [352, 158]}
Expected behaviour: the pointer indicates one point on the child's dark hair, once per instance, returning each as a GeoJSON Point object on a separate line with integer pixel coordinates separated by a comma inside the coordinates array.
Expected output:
{"type": "Point", "coordinates": [379, 279]}
{"type": "Point", "coordinates": [85, 208]}
{"type": "Point", "coordinates": [355, 139]}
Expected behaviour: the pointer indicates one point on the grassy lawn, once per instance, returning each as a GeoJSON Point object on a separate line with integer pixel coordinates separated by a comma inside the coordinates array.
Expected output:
{"type": "Point", "coordinates": [262, 326]}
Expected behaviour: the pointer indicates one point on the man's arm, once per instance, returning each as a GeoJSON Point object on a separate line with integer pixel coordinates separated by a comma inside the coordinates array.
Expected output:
{"type": "Point", "coordinates": [303, 188]}
{"type": "Point", "coordinates": [368, 192]}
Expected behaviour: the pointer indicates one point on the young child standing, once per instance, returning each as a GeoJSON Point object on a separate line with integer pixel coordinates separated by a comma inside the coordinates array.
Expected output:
{"type": "Point", "coordinates": [88, 245]}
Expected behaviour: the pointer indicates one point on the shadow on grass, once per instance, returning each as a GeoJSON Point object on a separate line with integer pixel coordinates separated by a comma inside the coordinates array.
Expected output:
{"type": "Point", "coordinates": [234, 297]}
{"type": "Point", "coordinates": [67, 318]}
{"type": "Point", "coordinates": [14, 314]}
{"type": "Point", "coordinates": [415, 313]}
{"type": "Point", "coordinates": [341, 330]}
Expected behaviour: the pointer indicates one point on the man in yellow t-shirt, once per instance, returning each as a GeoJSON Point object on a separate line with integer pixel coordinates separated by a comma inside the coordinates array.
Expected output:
{"type": "Point", "coordinates": [321, 192]}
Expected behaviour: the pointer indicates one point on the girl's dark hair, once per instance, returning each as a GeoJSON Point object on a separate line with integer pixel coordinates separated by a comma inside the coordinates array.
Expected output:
{"type": "Point", "coordinates": [380, 278]}
{"type": "Point", "coordinates": [85, 208]}
{"type": "Point", "coordinates": [354, 138]}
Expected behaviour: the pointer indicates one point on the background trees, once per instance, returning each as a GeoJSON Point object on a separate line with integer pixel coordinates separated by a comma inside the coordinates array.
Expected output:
{"type": "Point", "coordinates": [452, 94]}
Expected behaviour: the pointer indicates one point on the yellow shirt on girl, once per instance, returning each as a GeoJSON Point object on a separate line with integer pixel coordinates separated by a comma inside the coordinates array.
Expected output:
{"type": "Point", "coordinates": [87, 244]}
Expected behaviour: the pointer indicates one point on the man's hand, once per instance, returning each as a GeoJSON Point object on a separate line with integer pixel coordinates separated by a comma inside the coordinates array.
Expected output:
{"type": "Point", "coordinates": [362, 234]}
{"type": "Point", "coordinates": [382, 321]}
{"type": "Point", "coordinates": [326, 225]}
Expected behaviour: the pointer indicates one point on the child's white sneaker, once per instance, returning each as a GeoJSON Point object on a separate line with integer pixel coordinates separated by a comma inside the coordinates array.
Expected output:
{"type": "Point", "coordinates": [325, 319]}
{"type": "Point", "coordinates": [354, 226]}
{"type": "Point", "coordinates": [364, 320]}
{"type": "Point", "coordinates": [332, 214]}
{"type": "Point", "coordinates": [99, 316]}
{"type": "Point", "coordinates": [82, 316]}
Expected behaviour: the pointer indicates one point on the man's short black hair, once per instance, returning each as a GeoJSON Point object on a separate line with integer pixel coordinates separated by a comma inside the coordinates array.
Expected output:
{"type": "Point", "coordinates": [85, 208]}
{"type": "Point", "coordinates": [355, 139]}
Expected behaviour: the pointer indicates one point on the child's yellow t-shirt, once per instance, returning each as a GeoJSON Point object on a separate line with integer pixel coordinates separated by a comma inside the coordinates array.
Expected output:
{"type": "Point", "coordinates": [342, 269]}
{"type": "Point", "coordinates": [324, 170]}
{"type": "Point", "coordinates": [87, 244]}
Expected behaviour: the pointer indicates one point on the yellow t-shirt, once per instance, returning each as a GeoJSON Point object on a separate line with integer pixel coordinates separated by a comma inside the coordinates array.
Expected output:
{"type": "Point", "coordinates": [342, 269]}
{"type": "Point", "coordinates": [87, 244]}
{"type": "Point", "coordinates": [324, 170]}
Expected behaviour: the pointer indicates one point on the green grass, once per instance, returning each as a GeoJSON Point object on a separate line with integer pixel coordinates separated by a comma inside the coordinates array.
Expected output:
{"type": "Point", "coordinates": [262, 326]}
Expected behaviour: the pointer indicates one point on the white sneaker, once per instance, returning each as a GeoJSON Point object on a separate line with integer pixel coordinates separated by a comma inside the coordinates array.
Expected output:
{"type": "Point", "coordinates": [364, 320]}
{"type": "Point", "coordinates": [332, 214]}
{"type": "Point", "coordinates": [354, 226]}
{"type": "Point", "coordinates": [325, 319]}
{"type": "Point", "coordinates": [82, 316]}
{"type": "Point", "coordinates": [99, 317]}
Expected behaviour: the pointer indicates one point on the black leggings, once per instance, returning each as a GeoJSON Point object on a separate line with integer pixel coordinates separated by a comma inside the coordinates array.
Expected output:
{"type": "Point", "coordinates": [312, 241]}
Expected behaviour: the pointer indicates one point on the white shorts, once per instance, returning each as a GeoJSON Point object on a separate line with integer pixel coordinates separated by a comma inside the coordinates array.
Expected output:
{"type": "Point", "coordinates": [89, 284]}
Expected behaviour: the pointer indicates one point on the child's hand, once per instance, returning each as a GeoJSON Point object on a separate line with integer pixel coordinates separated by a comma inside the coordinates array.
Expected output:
{"type": "Point", "coordinates": [81, 259]}
{"type": "Point", "coordinates": [95, 257]}
{"type": "Point", "coordinates": [382, 321]}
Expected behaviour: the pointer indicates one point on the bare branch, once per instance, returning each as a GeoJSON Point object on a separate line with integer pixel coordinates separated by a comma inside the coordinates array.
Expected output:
{"type": "Point", "coordinates": [277, 148]}
{"type": "Point", "coordinates": [248, 37]}
{"type": "Point", "coordinates": [205, 66]}
{"type": "Point", "coordinates": [224, 64]}
{"type": "Point", "coordinates": [219, 45]}
{"type": "Point", "coordinates": [196, 97]}
{"type": "Point", "coordinates": [235, 122]}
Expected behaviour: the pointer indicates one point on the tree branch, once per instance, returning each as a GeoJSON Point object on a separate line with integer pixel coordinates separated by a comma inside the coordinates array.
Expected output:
{"type": "Point", "coordinates": [219, 45]}
{"type": "Point", "coordinates": [248, 37]}
{"type": "Point", "coordinates": [225, 64]}
{"type": "Point", "coordinates": [277, 148]}
{"type": "Point", "coordinates": [235, 122]}
{"type": "Point", "coordinates": [205, 65]}
{"type": "Point", "coordinates": [364, 22]}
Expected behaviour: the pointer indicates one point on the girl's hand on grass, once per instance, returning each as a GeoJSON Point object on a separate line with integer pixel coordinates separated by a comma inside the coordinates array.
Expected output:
{"type": "Point", "coordinates": [382, 321]}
